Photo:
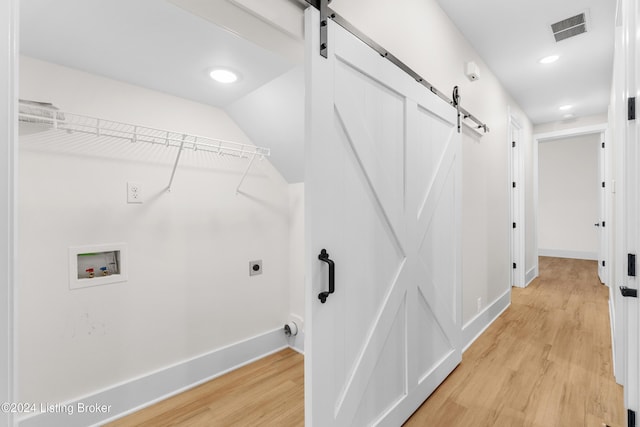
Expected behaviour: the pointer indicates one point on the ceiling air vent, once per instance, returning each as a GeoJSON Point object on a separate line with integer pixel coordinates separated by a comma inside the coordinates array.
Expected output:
{"type": "Point", "coordinates": [569, 27]}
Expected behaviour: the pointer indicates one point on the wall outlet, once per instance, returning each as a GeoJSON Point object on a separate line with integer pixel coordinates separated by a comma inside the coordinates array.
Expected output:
{"type": "Point", "coordinates": [479, 304]}
{"type": "Point", "coordinates": [134, 193]}
{"type": "Point", "coordinates": [255, 267]}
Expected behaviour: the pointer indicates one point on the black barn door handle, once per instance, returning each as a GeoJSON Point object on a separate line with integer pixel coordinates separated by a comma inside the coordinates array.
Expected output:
{"type": "Point", "coordinates": [324, 257]}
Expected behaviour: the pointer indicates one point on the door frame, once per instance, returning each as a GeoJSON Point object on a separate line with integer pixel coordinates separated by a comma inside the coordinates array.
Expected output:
{"type": "Point", "coordinates": [600, 129]}
{"type": "Point", "coordinates": [628, 240]}
{"type": "Point", "coordinates": [605, 203]}
{"type": "Point", "coordinates": [516, 205]}
{"type": "Point", "coordinates": [8, 192]}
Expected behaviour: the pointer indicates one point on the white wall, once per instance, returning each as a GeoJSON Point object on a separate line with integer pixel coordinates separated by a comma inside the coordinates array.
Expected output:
{"type": "Point", "coordinates": [8, 163]}
{"type": "Point", "coordinates": [476, 259]}
{"type": "Point", "coordinates": [569, 196]}
{"type": "Point", "coordinates": [296, 255]}
{"type": "Point", "coordinates": [189, 291]}
{"type": "Point", "coordinates": [574, 123]}
{"type": "Point", "coordinates": [420, 34]}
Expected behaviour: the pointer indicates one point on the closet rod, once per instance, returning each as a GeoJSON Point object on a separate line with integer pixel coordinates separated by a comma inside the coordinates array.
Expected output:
{"type": "Point", "coordinates": [386, 54]}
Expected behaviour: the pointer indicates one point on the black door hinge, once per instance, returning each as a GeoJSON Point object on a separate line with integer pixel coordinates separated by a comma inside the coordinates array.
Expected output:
{"type": "Point", "coordinates": [513, 144]}
{"type": "Point", "coordinates": [631, 418]}
{"type": "Point", "coordinates": [603, 223]}
{"type": "Point", "coordinates": [603, 145]}
{"type": "Point", "coordinates": [513, 184]}
{"type": "Point", "coordinates": [631, 265]}
{"type": "Point", "coordinates": [604, 263]}
{"type": "Point", "coordinates": [514, 225]}
{"type": "Point", "coordinates": [603, 184]}
{"type": "Point", "coordinates": [631, 108]}
{"type": "Point", "coordinates": [514, 265]}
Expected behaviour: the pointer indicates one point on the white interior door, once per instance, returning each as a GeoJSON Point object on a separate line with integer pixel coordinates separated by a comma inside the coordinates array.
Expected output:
{"type": "Point", "coordinates": [602, 214]}
{"type": "Point", "coordinates": [517, 206]}
{"type": "Point", "coordinates": [631, 306]}
{"type": "Point", "coordinates": [382, 191]}
{"type": "Point", "coordinates": [631, 205]}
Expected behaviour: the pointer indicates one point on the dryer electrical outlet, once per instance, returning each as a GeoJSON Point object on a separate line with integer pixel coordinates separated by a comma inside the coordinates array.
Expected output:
{"type": "Point", "coordinates": [255, 267]}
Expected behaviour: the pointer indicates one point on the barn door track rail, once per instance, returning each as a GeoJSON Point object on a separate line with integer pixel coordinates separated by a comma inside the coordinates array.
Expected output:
{"type": "Point", "coordinates": [49, 117]}
{"type": "Point", "coordinates": [327, 13]}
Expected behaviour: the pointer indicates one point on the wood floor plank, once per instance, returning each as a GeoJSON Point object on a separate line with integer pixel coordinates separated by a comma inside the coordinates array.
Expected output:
{"type": "Point", "coordinates": [548, 355]}
{"type": "Point", "coordinates": [545, 362]}
{"type": "Point", "coordinates": [268, 392]}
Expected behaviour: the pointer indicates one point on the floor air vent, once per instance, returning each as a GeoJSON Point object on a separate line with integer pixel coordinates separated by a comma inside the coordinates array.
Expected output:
{"type": "Point", "coordinates": [569, 27]}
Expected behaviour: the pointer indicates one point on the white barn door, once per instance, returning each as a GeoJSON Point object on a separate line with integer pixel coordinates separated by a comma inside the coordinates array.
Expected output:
{"type": "Point", "coordinates": [382, 191]}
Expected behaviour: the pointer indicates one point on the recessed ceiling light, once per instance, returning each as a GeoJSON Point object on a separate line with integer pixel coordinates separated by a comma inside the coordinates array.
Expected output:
{"type": "Point", "coordinates": [222, 75]}
{"type": "Point", "coordinates": [566, 107]}
{"type": "Point", "coordinates": [549, 59]}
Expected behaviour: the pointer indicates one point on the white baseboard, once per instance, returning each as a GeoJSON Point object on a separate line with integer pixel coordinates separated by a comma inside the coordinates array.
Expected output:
{"type": "Point", "coordinates": [131, 396]}
{"type": "Point", "coordinates": [297, 342]}
{"type": "Point", "coordinates": [560, 253]}
{"type": "Point", "coordinates": [476, 326]}
{"type": "Point", "coordinates": [531, 275]}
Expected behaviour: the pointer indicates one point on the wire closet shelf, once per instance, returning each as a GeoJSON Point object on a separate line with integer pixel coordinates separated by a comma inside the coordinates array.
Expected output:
{"type": "Point", "coordinates": [47, 115]}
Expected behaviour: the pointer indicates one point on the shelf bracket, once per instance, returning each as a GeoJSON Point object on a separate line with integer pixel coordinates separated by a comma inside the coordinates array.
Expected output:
{"type": "Point", "coordinates": [175, 165]}
{"type": "Point", "coordinates": [246, 171]}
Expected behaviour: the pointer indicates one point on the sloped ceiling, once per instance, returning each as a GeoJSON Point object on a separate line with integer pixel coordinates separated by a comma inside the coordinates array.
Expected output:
{"type": "Point", "coordinates": [171, 47]}
{"type": "Point", "coordinates": [149, 43]}
{"type": "Point", "coordinates": [274, 115]}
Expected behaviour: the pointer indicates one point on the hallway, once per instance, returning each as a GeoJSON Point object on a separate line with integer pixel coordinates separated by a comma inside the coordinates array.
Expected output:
{"type": "Point", "coordinates": [545, 362]}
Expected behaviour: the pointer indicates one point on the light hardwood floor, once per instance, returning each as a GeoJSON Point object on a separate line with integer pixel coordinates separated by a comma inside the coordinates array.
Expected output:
{"type": "Point", "coordinates": [545, 362]}
{"type": "Point", "coordinates": [269, 392]}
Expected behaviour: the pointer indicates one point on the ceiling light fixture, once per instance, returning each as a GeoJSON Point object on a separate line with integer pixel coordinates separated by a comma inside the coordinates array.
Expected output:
{"type": "Point", "coordinates": [568, 116]}
{"type": "Point", "coordinates": [566, 107]}
{"type": "Point", "coordinates": [222, 75]}
{"type": "Point", "coordinates": [549, 59]}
